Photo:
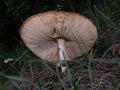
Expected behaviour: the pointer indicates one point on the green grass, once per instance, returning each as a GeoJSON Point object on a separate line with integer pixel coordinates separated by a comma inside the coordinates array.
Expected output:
{"type": "Point", "coordinates": [91, 72]}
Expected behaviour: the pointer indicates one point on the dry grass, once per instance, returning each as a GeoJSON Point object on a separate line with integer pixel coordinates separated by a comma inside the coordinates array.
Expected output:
{"type": "Point", "coordinates": [87, 75]}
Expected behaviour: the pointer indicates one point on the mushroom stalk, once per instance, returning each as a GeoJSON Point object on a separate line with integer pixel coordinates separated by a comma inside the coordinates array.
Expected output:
{"type": "Point", "coordinates": [62, 54]}
{"type": "Point", "coordinates": [62, 50]}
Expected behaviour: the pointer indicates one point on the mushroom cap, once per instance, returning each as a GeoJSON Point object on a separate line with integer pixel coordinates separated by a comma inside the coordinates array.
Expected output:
{"type": "Point", "coordinates": [41, 31]}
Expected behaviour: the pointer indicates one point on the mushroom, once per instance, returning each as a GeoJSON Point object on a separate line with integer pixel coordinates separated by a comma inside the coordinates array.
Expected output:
{"type": "Point", "coordinates": [58, 35]}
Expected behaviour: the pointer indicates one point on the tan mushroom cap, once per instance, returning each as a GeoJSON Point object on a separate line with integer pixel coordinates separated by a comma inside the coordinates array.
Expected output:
{"type": "Point", "coordinates": [40, 33]}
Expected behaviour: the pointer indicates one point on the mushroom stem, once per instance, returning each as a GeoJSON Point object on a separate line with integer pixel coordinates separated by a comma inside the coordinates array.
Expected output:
{"type": "Point", "coordinates": [62, 50]}
{"type": "Point", "coordinates": [62, 54]}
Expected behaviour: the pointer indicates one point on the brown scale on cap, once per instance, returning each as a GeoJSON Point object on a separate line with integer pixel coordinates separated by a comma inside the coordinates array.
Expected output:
{"type": "Point", "coordinates": [52, 33]}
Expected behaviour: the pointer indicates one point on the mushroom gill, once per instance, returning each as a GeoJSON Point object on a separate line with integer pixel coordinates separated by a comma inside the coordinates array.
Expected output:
{"type": "Point", "coordinates": [55, 35]}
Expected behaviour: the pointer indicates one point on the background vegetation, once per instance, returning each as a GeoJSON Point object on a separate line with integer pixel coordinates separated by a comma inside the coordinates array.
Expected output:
{"type": "Point", "coordinates": [22, 70]}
